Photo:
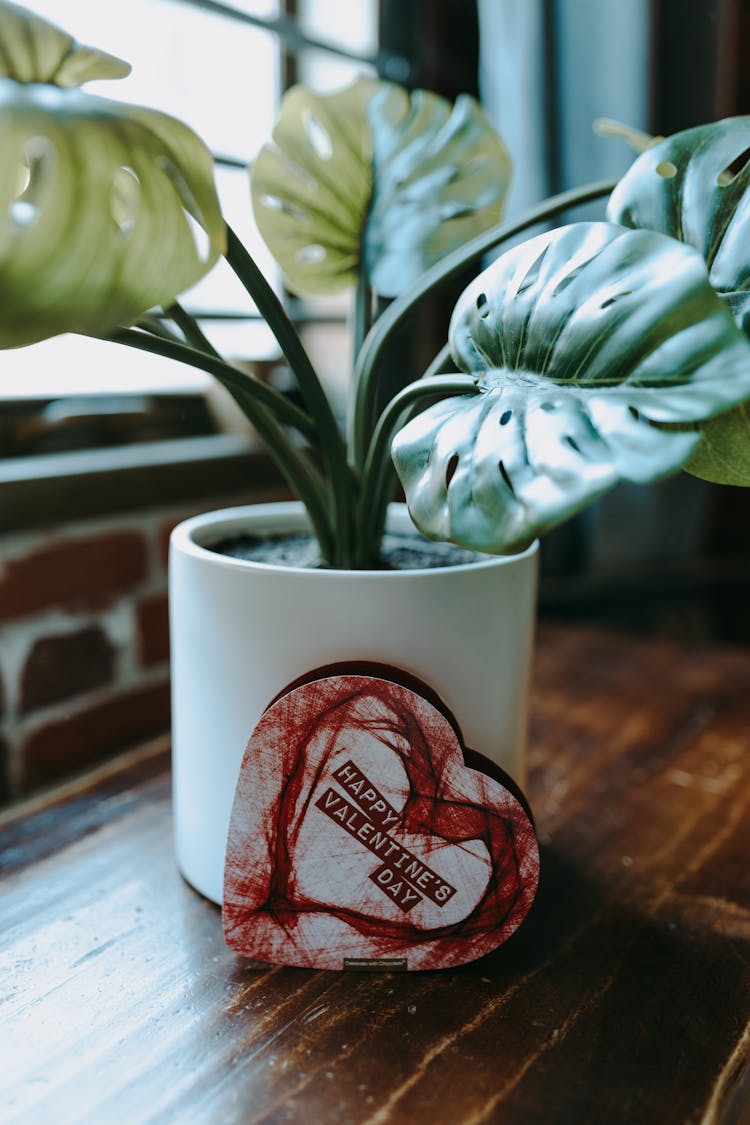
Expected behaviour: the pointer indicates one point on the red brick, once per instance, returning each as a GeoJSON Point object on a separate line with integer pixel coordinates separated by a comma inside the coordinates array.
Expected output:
{"type": "Point", "coordinates": [91, 734]}
{"type": "Point", "coordinates": [72, 572]}
{"type": "Point", "coordinates": [65, 665]}
{"type": "Point", "coordinates": [152, 614]}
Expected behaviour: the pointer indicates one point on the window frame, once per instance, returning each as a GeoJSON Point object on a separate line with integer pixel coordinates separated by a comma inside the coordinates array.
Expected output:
{"type": "Point", "coordinates": [42, 487]}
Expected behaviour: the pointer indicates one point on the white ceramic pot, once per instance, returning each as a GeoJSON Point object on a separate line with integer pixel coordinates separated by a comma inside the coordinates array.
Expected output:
{"type": "Point", "coordinates": [241, 631]}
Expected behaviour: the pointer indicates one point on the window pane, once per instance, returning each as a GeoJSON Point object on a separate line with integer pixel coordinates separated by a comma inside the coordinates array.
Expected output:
{"type": "Point", "coordinates": [339, 22]}
{"type": "Point", "coordinates": [221, 290]}
{"type": "Point", "coordinates": [342, 23]}
{"type": "Point", "coordinates": [78, 365]}
{"type": "Point", "coordinates": [222, 78]}
{"type": "Point", "coordinates": [219, 76]}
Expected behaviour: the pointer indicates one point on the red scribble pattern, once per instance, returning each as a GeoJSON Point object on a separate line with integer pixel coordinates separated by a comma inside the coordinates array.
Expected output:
{"type": "Point", "coordinates": [297, 888]}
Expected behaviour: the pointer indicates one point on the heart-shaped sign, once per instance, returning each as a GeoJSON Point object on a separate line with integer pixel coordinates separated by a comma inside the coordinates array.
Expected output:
{"type": "Point", "coordinates": [360, 838]}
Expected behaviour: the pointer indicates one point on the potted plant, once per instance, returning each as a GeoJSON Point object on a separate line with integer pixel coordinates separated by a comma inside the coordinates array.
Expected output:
{"type": "Point", "coordinates": [604, 352]}
{"type": "Point", "coordinates": [587, 355]}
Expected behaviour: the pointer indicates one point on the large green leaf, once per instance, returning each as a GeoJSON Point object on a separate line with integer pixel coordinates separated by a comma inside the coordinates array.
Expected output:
{"type": "Point", "coordinates": [441, 174]}
{"type": "Point", "coordinates": [695, 186]}
{"type": "Point", "coordinates": [105, 211]}
{"type": "Point", "coordinates": [373, 178]}
{"type": "Point", "coordinates": [311, 187]}
{"type": "Point", "coordinates": [34, 50]}
{"type": "Point", "coordinates": [580, 339]}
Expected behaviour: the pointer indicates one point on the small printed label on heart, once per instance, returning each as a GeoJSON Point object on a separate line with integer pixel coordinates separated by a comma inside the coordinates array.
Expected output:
{"type": "Point", "coordinates": [360, 836]}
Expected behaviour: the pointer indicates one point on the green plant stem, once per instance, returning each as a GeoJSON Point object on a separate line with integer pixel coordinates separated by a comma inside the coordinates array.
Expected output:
{"type": "Point", "coordinates": [153, 325]}
{"type": "Point", "coordinates": [247, 385]}
{"type": "Point", "coordinates": [298, 470]}
{"type": "Point", "coordinates": [367, 367]}
{"type": "Point", "coordinates": [300, 474]}
{"type": "Point", "coordinates": [330, 441]}
{"type": "Point", "coordinates": [268, 411]}
{"type": "Point", "coordinates": [286, 411]}
{"type": "Point", "coordinates": [378, 470]}
{"type": "Point", "coordinates": [375, 507]}
{"type": "Point", "coordinates": [191, 330]}
{"type": "Point", "coordinates": [362, 314]}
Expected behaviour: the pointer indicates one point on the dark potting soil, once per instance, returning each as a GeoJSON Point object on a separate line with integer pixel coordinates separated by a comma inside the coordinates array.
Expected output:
{"type": "Point", "coordinates": [407, 551]}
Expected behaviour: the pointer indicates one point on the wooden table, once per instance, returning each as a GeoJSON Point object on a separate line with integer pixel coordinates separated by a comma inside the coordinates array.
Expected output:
{"type": "Point", "coordinates": [624, 998]}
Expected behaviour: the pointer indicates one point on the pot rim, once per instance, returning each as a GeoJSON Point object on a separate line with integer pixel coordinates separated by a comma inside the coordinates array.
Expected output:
{"type": "Point", "coordinates": [290, 515]}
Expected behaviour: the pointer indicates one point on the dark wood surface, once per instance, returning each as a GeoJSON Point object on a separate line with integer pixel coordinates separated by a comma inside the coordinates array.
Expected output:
{"type": "Point", "coordinates": [624, 998]}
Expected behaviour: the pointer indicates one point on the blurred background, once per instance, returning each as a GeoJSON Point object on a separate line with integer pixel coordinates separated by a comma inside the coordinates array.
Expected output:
{"type": "Point", "coordinates": [101, 452]}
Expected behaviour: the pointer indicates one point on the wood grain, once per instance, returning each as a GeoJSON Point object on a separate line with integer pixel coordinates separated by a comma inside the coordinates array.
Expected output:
{"type": "Point", "coordinates": [625, 997]}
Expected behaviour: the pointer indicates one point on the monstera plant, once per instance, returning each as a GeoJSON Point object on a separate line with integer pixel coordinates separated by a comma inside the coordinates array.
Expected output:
{"type": "Point", "coordinates": [585, 343]}
{"type": "Point", "coordinates": [600, 352]}
{"type": "Point", "coordinates": [694, 187]}
{"type": "Point", "coordinates": [89, 189]}
{"type": "Point", "coordinates": [108, 212]}
{"type": "Point", "coordinates": [585, 356]}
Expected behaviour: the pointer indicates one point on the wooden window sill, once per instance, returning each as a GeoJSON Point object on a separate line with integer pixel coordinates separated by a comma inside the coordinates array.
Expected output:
{"type": "Point", "coordinates": [60, 487]}
{"type": "Point", "coordinates": [623, 998]}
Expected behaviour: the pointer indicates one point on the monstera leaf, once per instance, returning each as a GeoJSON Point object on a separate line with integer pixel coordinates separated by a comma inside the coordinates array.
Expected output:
{"type": "Point", "coordinates": [580, 339]}
{"type": "Point", "coordinates": [441, 175]}
{"type": "Point", "coordinates": [373, 178]}
{"type": "Point", "coordinates": [312, 185]}
{"type": "Point", "coordinates": [723, 455]}
{"type": "Point", "coordinates": [33, 50]}
{"type": "Point", "coordinates": [694, 186]}
{"type": "Point", "coordinates": [105, 210]}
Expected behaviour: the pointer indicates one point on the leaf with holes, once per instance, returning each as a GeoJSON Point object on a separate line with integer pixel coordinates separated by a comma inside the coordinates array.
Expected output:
{"type": "Point", "coordinates": [441, 175]}
{"type": "Point", "coordinates": [105, 211]}
{"type": "Point", "coordinates": [373, 178]}
{"type": "Point", "coordinates": [34, 50]}
{"type": "Point", "coordinates": [695, 186]}
{"type": "Point", "coordinates": [580, 339]}
{"type": "Point", "coordinates": [311, 187]}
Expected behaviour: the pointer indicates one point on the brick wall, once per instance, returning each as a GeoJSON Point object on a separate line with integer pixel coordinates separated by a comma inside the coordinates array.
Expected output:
{"type": "Point", "coordinates": [84, 644]}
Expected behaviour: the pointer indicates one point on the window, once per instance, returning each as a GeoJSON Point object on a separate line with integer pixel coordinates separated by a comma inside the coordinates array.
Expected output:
{"type": "Point", "coordinates": [220, 68]}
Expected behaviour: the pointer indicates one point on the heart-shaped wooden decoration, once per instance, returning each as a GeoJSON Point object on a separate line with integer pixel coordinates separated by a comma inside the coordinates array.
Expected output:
{"type": "Point", "coordinates": [360, 838]}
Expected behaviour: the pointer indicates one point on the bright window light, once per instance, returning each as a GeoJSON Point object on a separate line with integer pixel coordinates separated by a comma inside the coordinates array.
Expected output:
{"type": "Point", "coordinates": [222, 78]}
